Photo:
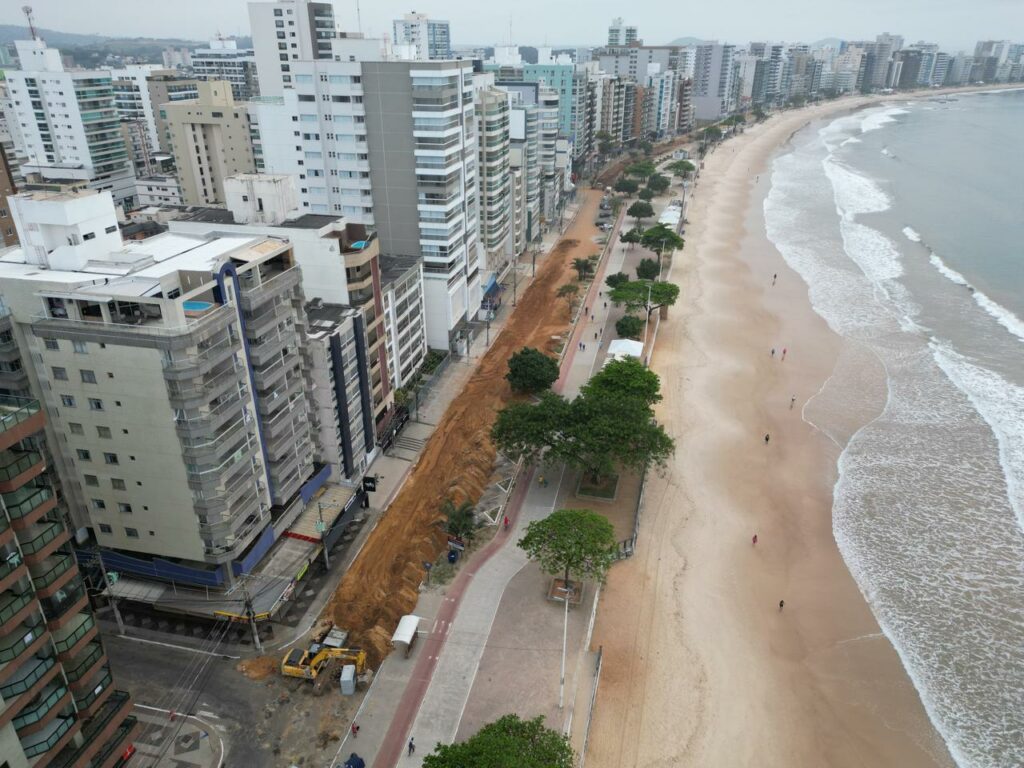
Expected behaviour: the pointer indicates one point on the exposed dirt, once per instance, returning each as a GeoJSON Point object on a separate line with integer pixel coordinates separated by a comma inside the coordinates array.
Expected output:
{"type": "Point", "coordinates": [260, 667]}
{"type": "Point", "coordinates": [608, 176]}
{"type": "Point", "coordinates": [382, 585]}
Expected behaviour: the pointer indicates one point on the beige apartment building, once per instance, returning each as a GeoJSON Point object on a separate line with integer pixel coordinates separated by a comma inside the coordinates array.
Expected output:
{"type": "Point", "coordinates": [209, 138]}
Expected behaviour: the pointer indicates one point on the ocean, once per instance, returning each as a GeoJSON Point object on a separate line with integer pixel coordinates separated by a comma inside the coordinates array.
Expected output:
{"type": "Point", "coordinates": [907, 224]}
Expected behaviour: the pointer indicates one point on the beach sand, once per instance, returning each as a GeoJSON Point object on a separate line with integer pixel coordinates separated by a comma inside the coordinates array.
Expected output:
{"type": "Point", "coordinates": [700, 667]}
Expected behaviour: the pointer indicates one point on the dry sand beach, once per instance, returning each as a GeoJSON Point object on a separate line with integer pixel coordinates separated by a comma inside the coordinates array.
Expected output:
{"type": "Point", "coordinates": [701, 667]}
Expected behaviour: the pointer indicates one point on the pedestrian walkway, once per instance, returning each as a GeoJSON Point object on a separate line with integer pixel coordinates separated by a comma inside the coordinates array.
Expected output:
{"type": "Point", "coordinates": [181, 742]}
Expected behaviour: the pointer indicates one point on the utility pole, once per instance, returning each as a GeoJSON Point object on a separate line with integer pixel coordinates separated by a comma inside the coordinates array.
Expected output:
{"type": "Point", "coordinates": [322, 529]}
{"type": "Point", "coordinates": [110, 595]}
{"type": "Point", "coordinates": [252, 618]}
{"type": "Point", "coordinates": [648, 308]}
{"type": "Point", "coordinates": [487, 338]}
{"type": "Point", "coordinates": [515, 279]}
{"type": "Point", "coordinates": [534, 273]}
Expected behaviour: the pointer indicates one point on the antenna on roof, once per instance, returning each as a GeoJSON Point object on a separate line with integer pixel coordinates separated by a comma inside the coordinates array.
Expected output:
{"type": "Point", "coordinates": [27, 10]}
{"type": "Point", "coordinates": [359, 19]}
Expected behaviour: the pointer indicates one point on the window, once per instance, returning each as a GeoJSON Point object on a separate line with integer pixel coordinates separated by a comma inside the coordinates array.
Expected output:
{"type": "Point", "coordinates": [103, 432]}
{"type": "Point", "coordinates": [60, 374]}
{"type": "Point", "coordinates": [110, 458]}
{"type": "Point", "coordinates": [95, 404]}
{"type": "Point", "coordinates": [88, 377]}
{"type": "Point", "coordinates": [51, 344]}
{"type": "Point", "coordinates": [111, 228]}
{"type": "Point", "coordinates": [79, 347]}
{"type": "Point", "coordinates": [131, 533]}
{"type": "Point", "coordinates": [118, 484]}
{"type": "Point", "coordinates": [124, 509]}
{"type": "Point", "coordinates": [83, 455]}
{"type": "Point", "coordinates": [67, 401]}
{"type": "Point", "coordinates": [91, 480]}
{"type": "Point", "coordinates": [104, 528]}
{"type": "Point", "coordinates": [76, 429]}
{"type": "Point", "coordinates": [99, 504]}
{"type": "Point", "coordinates": [89, 236]}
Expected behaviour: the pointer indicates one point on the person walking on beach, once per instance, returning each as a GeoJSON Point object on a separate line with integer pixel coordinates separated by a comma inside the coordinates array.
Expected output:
{"type": "Point", "coordinates": [773, 351]}
{"type": "Point", "coordinates": [782, 604]}
{"type": "Point", "coordinates": [767, 437]}
{"type": "Point", "coordinates": [783, 353]}
{"type": "Point", "coordinates": [412, 745]}
{"type": "Point", "coordinates": [792, 402]}
{"type": "Point", "coordinates": [775, 277]}
{"type": "Point", "coordinates": [355, 730]}
{"type": "Point", "coordinates": [753, 541]}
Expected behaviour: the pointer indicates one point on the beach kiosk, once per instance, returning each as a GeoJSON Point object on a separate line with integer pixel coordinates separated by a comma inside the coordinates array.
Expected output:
{"type": "Point", "coordinates": [405, 635]}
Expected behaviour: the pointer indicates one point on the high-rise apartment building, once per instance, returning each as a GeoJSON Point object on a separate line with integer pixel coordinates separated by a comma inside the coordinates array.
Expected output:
{"type": "Point", "coordinates": [209, 140]}
{"type": "Point", "coordinates": [714, 81]}
{"type": "Point", "coordinates": [524, 155]}
{"type": "Point", "coordinates": [285, 32]}
{"type": "Point", "coordinates": [494, 172]}
{"type": "Point", "coordinates": [131, 98]}
{"type": "Point", "coordinates": [69, 127]}
{"type": "Point", "coordinates": [426, 38]}
{"type": "Point", "coordinates": [172, 371]}
{"type": "Point", "coordinates": [620, 34]}
{"type": "Point", "coordinates": [8, 233]}
{"type": "Point", "coordinates": [59, 707]}
{"type": "Point", "coordinates": [224, 60]}
{"type": "Point", "coordinates": [659, 117]}
{"type": "Point", "coordinates": [165, 86]}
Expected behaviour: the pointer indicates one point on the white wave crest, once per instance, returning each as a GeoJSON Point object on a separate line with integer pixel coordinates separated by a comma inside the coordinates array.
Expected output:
{"type": "Point", "coordinates": [851, 140]}
{"type": "Point", "coordinates": [855, 193]}
{"type": "Point", "coordinates": [997, 311]}
{"type": "Point", "coordinates": [875, 120]}
{"type": "Point", "coordinates": [911, 234]}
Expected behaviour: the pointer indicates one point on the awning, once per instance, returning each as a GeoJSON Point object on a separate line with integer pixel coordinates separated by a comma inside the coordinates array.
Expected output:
{"type": "Point", "coordinates": [493, 287]}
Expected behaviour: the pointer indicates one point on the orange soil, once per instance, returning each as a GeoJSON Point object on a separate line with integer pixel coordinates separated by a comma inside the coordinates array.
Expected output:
{"type": "Point", "coordinates": [382, 584]}
{"type": "Point", "coordinates": [259, 668]}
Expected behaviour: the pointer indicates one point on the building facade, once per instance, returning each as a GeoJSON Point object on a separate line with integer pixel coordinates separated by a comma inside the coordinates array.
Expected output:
{"type": "Point", "coordinates": [494, 169]}
{"type": "Point", "coordinates": [620, 34]}
{"type": "Point", "coordinates": [166, 86]}
{"type": "Point", "coordinates": [287, 31]}
{"type": "Point", "coordinates": [428, 39]}
{"type": "Point", "coordinates": [714, 81]}
{"type": "Point", "coordinates": [224, 60]}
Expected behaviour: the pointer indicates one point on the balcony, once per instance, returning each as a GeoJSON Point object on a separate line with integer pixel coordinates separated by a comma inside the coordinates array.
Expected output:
{"type": "Point", "coordinates": [19, 644]}
{"type": "Point", "coordinates": [17, 468]}
{"type": "Point", "coordinates": [19, 418]}
{"type": "Point", "coordinates": [104, 736]}
{"type": "Point", "coordinates": [29, 675]}
{"type": "Point", "coordinates": [91, 700]}
{"type": "Point", "coordinates": [52, 736]}
{"type": "Point", "coordinates": [35, 714]}
{"type": "Point", "coordinates": [79, 670]}
{"type": "Point", "coordinates": [64, 605]}
{"type": "Point", "coordinates": [52, 574]}
{"type": "Point", "coordinates": [13, 604]}
{"type": "Point", "coordinates": [71, 639]}
{"type": "Point", "coordinates": [27, 505]}
{"type": "Point", "coordinates": [191, 366]}
{"type": "Point", "coordinates": [12, 570]}
{"type": "Point", "coordinates": [40, 541]}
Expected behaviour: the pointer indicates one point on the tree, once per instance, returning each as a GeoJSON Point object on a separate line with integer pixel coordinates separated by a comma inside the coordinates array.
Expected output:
{"type": "Point", "coordinates": [646, 194]}
{"type": "Point", "coordinates": [526, 430]}
{"type": "Point", "coordinates": [641, 169]}
{"type": "Point", "coordinates": [508, 742]}
{"type": "Point", "coordinates": [647, 269]}
{"type": "Point", "coordinates": [530, 370]}
{"type": "Point", "coordinates": [617, 279]}
{"type": "Point", "coordinates": [628, 380]}
{"type": "Point", "coordinates": [629, 327]}
{"type": "Point", "coordinates": [644, 295]}
{"type": "Point", "coordinates": [568, 292]}
{"type": "Point", "coordinates": [583, 267]}
{"type": "Point", "coordinates": [646, 147]}
{"type": "Point", "coordinates": [661, 238]}
{"type": "Point", "coordinates": [681, 168]}
{"type": "Point", "coordinates": [640, 211]}
{"type": "Point", "coordinates": [626, 186]}
{"type": "Point", "coordinates": [632, 237]}
{"type": "Point", "coordinates": [760, 114]}
{"type": "Point", "coordinates": [459, 519]}
{"type": "Point", "coordinates": [712, 133]}
{"type": "Point", "coordinates": [657, 183]}
{"type": "Point", "coordinates": [572, 541]}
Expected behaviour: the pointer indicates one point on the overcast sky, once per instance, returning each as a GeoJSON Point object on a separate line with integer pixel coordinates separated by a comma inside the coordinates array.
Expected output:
{"type": "Point", "coordinates": [955, 24]}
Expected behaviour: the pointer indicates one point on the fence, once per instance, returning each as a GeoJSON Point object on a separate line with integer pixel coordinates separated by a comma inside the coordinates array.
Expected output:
{"type": "Point", "coordinates": [628, 546]}
{"type": "Point", "coordinates": [593, 702]}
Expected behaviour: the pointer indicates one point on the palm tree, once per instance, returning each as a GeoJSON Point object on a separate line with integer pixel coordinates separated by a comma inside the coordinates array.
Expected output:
{"type": "Point", "coordinates": [568, 292]}
{"type": "Point", "coordinates": [460, 520]}
{"type": "Point", "coordinates": [582, 266]}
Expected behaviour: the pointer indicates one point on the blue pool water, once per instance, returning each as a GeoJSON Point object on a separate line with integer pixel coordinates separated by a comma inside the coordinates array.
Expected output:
{"type": "Point", "coordinates": [196, 306]}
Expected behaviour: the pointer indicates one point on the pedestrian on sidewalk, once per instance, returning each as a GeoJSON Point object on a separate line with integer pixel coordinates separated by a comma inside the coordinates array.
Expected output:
{"type": "Point", "coordinates": [606, 305]}
{"type": "Point", "coordinates": [775, 277]}
{"type": "Point", "coordinates": [506, 522]}
{"type": "Point", "coordinates": [355, 729]}
{"type": "Point", "coordinates": [792, 402]}
{"type": "Point", "coordinates": [586, 310]}
{"type": "Point", "coordinates": [412, 746]}
{"type": "Point", "coordinates": [595, 335]}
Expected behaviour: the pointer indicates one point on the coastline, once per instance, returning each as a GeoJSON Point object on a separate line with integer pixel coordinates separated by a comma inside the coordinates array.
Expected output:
{"type": "Point", "coordinates": [700, 666]}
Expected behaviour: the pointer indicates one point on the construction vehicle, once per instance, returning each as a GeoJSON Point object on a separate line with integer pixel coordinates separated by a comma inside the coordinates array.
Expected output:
{"type": "Point", "coordinates": [311, 663]}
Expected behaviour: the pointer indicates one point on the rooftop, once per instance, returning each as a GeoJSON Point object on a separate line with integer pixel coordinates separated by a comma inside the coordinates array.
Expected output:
{"type": "Point", "coordinates": [224, 216]}
{"type": "Point", "coordinates": [395, 267]}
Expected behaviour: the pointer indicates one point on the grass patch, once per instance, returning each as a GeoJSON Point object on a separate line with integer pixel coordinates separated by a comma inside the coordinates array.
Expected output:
{"type": "Point", "coordinates": [602, 488]}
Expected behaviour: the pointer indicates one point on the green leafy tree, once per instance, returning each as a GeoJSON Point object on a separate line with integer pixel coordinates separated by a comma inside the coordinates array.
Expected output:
{"type": "Point", "coordinates": [629, 327]}
{"type": "Point", "coordinates": [647, 269]}
{"type": "Point", "coordinates": [712, 133]}
{"type": "Point", "coordinates": [644, 295]}
{"type": "Point", "coordinates": [640, 211]}
{"type": "Point", "coordinates": [617, 279]}
{"type": "Point", "coordinates": [661, 238]}
{"type": "Point", "coordinates": [657, 183]}
{"type": "Point", "coordinates": [641, 169]}
{"type": "Point", "coordinates": [629, 380]}
{"type": "Point", "coordinates": [626, 186]}
{"type": "Point", "coordinates": [631, 238]}
{"type": "Point", "coordinates": [568, 292]}
{"type": "Point", "coordinates": [508, 742]}
{"type": "Point", "coordinates": [572, 541]}
{"type": "Point", "coordinates": [760, 114]}
{"type": "Point", "coordinates": [459, 519]}
{"type": "Point", "coordinates": [646, 194]}
{"type": "Point", "coordinates": [526, 430]}
{"type": "Point", "coordinates": [646, 147]}
{"type": "Point", "coordinates": [682, 168]}
{"type": "Point", "coordinates": [530, 370]}
{"type": "Point", "coordinates": [583, 267]}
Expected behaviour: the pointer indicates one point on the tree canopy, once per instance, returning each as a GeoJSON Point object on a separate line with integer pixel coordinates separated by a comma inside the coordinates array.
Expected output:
{"type": "Point", "coordinates": [616, 279]}
{"type": "Point", "coordinates": [610, 423]}
{"type": "Point", "coordinates": [644, 295]}
{"type": "Point", "coordinates": [657, 183]}
{"type": "Point", "coordinates": [660, 238]}
{"type": "Point", "coordinates": [629, 327]}
{"type": "Point", "coordinates": [508, 742]}
{"type": "Point", "coordinates": [641, 169]}
{"type": "Point", "coordinates": [712, 133]}
{"type": "Point", "coordinates": [626, 186]}
{"type": "Point", "coordinates": [572, 541]}
{"type": "Point", "coordinates": [681, 167]}
{"type": "Point", "coordinates": [646, 194]}
{"type": "Point", "coordinates": [530, 370]}
{"type": "Point", "coordinates": [459, 519]}
{"type": "Point", "coordinates": [632, 237]}
{"type": "Point", "coordinates": [647, 269]}
{"type": "Point", "coordinates": [583, 266]}
{"type": "Point", "coordinates": [640, 210]}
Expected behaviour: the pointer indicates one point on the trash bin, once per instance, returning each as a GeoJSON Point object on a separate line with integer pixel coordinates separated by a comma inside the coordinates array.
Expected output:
{"type": "Point", "coordinates": [453, 556]}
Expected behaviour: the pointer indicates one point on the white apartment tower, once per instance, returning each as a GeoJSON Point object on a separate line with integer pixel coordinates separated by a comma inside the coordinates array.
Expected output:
{"type": "Point", "coordinates": [427, 38]}
{"type": "Point", "coordinates": [620, 34]}
{"type": "Point", "coordinates": [714, 81]}
{"type": "Point", "coordinates": [224, 60]}
{"type": "Point", "coordinates": [285, 32]}
{"type": "Point", "coordinates": [69, 127]}
{"type": "Point", "coordinates": [492, 117]}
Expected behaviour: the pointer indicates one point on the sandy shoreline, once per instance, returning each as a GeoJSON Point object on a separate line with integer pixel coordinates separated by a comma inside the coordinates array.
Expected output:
{"type": "Point", "coordinates": [700, 666]}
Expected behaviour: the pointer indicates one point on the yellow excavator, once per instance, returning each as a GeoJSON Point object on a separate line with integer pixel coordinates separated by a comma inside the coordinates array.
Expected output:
{"type": "Point", "coordinates": [312, 662]}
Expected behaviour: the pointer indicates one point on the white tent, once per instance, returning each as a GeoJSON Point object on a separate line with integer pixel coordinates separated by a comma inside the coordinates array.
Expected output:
{"type": "Point", "coordinates": [620, 349]}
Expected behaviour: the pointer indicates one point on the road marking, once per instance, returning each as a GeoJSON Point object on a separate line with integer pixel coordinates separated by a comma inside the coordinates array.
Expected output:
{"type": "Point", "coordinates": [204, 713]}
{"type": "Point", "coordinates": [220, 759]}
{"type": "Point", "coordinates": [434, 628]}
{"type": "Point", "coordinates": [178, 647]}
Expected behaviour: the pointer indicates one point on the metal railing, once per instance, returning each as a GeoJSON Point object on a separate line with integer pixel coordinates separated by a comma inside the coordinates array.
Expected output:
{"type": "Point", "coordinates": [44, 537]}
{"type": "Point", "coordinates": [11, 652]}
{"type": "Point", "coordinates": [54, 572]}
{"type": "Point", "coordinates": [68, 642]}
{"type": "Point", "coordinates": [85, 663]}
{"type": "Point", "coordinates": [37, 673]}
{"type": "Point", "coordinates": [21, 502]}
{"type": "Point", "coordinates": [14, 410]}
{"type": "Point", "coordinates": [41, 709]}
{"type": "Point", "coordinates": [11, 607]}
{"type": "Point", "coordinates": [37, 748]}
{"type": "Point", "coordinates": [19, 462]}
{"type": "Point", "coordinates": [95, 692]}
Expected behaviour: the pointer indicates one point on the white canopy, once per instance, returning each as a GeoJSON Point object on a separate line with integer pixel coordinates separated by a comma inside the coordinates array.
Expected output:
{"type": "Point", "coordinates": [620, 349]}
{"type": "Point", "coordinates": [406, 630]}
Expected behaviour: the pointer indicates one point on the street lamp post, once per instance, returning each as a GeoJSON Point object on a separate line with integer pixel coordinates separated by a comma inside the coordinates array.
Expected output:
{"type": "Point", "coordinates": [566, 594]}
{"type": "Point", "coordinates": [647, 323]}
{"type": "Point", "coordinates": [322, 528]}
